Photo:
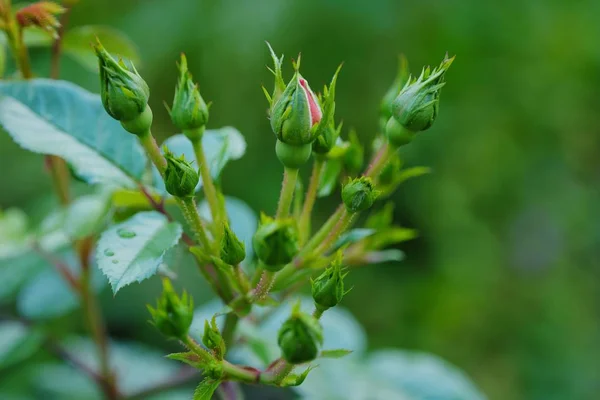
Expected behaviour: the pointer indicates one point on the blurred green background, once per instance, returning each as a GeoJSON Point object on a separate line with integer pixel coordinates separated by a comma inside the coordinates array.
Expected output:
{"type": "Point", "coordinates": [504, 280]}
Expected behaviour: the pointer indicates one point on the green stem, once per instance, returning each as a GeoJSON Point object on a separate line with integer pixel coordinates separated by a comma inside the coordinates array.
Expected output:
{"type": "Point", "coordinates": [338, 229]}
{"type": "Point", "coordinates": [318, 313]}
{"type": "Point", "coordinates": [191, 344]}
{"type": "Point", "coordinates": [309, 200]}
{"type": "Point", "coordinates": [192, 216]}
{"type": "Point", "coordinates": [231, 321]}
{"type": "Point", "coordinates": [281, 372]}
{"type": "Point", "coordinates": [208, 185]}
{"type": "Point", "coordinates": [290, 175]}
{"type": "Point", "coordinates": [379, 161]}
{"type": "Point", "coordinates": [264, 285]}
{"type": "Point", "coordinates": [323, 232]}
{"type": "Point", "coordinates": [149, 144]}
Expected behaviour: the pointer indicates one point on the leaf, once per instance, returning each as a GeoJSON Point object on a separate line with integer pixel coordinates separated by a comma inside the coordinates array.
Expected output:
{"type": "Point", "coordinates": [422, 375]}
{"type": "Point", "coordinates": [377, 257]}
{"type": "Point", "coordinates": [60, 118]}
{"type": "Point", "coordinates": [329, 177]}
{"type": "Point", "coordinates": [188, 357]}
{"type": "Point", "coordinates": [17, 342]}
{"type": "Point", "coordinates": [389, 236]}
{"type": "Point", "coordinates": [47, 295]}
{"type": "Point", "coordinates": [76, 44]}
{"type": "Point", "coordinates": [206, 389]}
{"type": "Point", "coordinates": [413, 172]}
{"type": "Point", "coordinates": [220, 146]}
{"type": "Point", "coordinates": [13, 232]}
{"type": "Point", "coordinates": [352, 236]}
{"type": "Point", "coordinates": [337, 353]}
{"type": "Point", "coordinates": [134, 249]}
{"type": "Point", "coordinates": [32, 37]}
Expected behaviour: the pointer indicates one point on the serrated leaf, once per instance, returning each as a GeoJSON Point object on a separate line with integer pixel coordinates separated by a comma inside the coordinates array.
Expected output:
{"type": "Point", "coordinates": [220, 146]}
{"type": "Point", "coordinates": [389, 236]}
{"type": "Point", "coordinates": [59, 118]}
{"type": "Point", "coordinates": [206, 389]}
{"type": "Point", "coordinates": [188, 357]}
{"type": "Point", "coordinates": [17, 342]}
{"type": "Point", "coordinates": [337, 353]}
{"type": "Point", "coordinates": [76, 44]}
{"type": "Point", "coordinates": [352, 236]}
{"type": "Point", "coordinates": [330, 177]}
{"type": "Point", "coordinates": [134, 249]}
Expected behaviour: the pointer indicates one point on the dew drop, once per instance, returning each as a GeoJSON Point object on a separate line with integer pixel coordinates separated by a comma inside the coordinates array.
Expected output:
{"type": "Point", "coordinates": [109, 253]}
{"type": "Point", "coordinates": [115, 261]}
{"type": "Point", "coordinates": [125, 233]}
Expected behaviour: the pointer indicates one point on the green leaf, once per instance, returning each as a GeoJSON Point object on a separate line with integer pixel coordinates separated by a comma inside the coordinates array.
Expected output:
{"type": "Point", "coordinates": [422, 375]}
{"type": "Point", "coordinates": [47, 295]}
{"type": "Point", "coordinates": [377, 257]}
{"type": "Point", "coordinates": [413, 172]}
{"type": "Point", "coordinates": [352, 236]}
{"type": "Point", "coordinates": [337, 353]}
{"type": "Point", "coordinates": [188, 357]}
{"type": "Point", "coordinates": [330, 177]}
{"type": "Point", "coordinates": [32, 37]}
{"type": "Point", "coordinates": [60, 118]}
{"type": "Point", "coordinates": [134, 249]}
{"type": "Point", "coordinates": [13, 232]}
{"type": "Point", "coordinates": [76, 44]}
{"type": "Point", "coordinates": [389, 236]}
{"type": "Point", "coordinates": [220, 146]}
{"type": "Point", "coordinates": [206, 389]}
{"type": "Point", "coordinates": [17, 342]}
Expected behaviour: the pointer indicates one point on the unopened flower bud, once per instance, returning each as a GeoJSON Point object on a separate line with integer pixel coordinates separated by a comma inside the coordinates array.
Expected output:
{"type": "Point", "coordinates": [189, 112]}
{"type": "Point", "coordinates": [416, 107]}
{"type": "Point", "coordinates": [326, 138]}
{"type": "Point", "coordinates": [275, 242]}
{"type": "Point", "coordinates": [359, 194]}
{"type": "Point", "coordinates": [173, 315]}
{"type": "Point", "coordinates": [300, 337]}
{"type": "Point", "coordinates": [233, 250]}
{"type": "Point", "coordinates": [181, 178]}
{"type": "Point", "coordinates": [41, 14]}
{"type": "Point", "coordinates": [328, 288]}
{"type": "Point", "coordinates": [124, 93]}
{"type": "Point", "coordinates": [212, 338]}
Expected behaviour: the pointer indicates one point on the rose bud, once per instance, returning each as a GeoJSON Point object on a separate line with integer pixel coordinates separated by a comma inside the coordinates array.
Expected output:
{"type": "Point", "coordinates": [328, 288]}
{"type": "Point", "coordinates": [124, 93]}
{"type": "Point", "coordinates": [172, 315]}
{"type": "Point", "coordinates": [233, 250]}
{"type": "Point", "coordinates": [293, 119]}
{"type": "Point", "coordinates": [359, 194]}
{"type": "Point", "coordinates": [275, 242]}
{"type": "Point", "coordinates": [181, 178]}
{"type": "Point", "coordinates": [189, 112]}
{"type": "Point", "coordinates": [212, 338]}
{"type": "Point", "coordinates": [300, 337]}
{"type": "Point", "coordinates": [416, 107]}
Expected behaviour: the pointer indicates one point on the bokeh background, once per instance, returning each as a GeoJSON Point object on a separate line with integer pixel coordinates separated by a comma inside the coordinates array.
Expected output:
{"type": "Point", "coordinates": [504, 280]}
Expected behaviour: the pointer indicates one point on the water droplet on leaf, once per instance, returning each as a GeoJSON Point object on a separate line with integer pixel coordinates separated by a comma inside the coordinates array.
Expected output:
{"type": "Point", "coordinates": [115, 261]}
{"type": "Point", "coordinates": [109, 253]}
{"type": "Point", "coordinates": [125, 233]}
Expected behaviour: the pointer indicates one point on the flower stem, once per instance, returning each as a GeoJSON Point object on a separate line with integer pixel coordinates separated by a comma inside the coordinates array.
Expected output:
{"type": "Point", "coordinates": [338, 229]}
{"type": "Point", "coordinates": [264, 285]}
{"type": "Point", "coordinates": [207, 183]}
{"type": "Point", "coordinates": [309, 201]}
{"type": "Point", "coordinates": [318, 313]}
{"type": "Point", "coordinates": [379, 161]}
{"type": "Point", "coordinates": [149, 144]}
{"type": "Point", "coordinates": [231, 321]}
{"type": "Point", "coordinates": [290, 175]}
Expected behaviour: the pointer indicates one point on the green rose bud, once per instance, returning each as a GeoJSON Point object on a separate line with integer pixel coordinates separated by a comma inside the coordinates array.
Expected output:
{"type": "Point", "coordinates": [328, 288]}
{"type": "Point", "coordinates": [416, 107]}
{"type": "Point", "coordinates": [233, 250]}
{"type": "Point", "coordinates": [181, 178]}
{"type": "Point", "coordinates": [124, 93]}
{"type": "Point", "coordinates": [355, 155]}
{"type": "Point", "coordinates": [300, 337]}
{"type": "Point", "coordinates": [172, 315]}
{"type": "Point", "coordinates": [189, 112]}
{"type": "Point", "coordinates": [359, 194]}
{"type": "Point", "coordinates": [325, 132]}
{"type": "Point", "coordinates": [212, 338]}
{"type": "Point", "coordinates": [402, 77]}
{"type": "Point", "coordinates": [275, 242]}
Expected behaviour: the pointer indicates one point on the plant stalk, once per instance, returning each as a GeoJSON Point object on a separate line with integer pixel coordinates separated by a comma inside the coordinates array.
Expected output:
{"type": "Point", "coordinates": [309, 200]}
{"type": "Point", "coordinates": [290, 175]}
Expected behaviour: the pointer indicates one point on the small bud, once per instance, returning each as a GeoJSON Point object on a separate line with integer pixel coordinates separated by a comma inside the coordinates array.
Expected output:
{"type": "Point", "coordinates": [172, 315]}
{"type": "Point", "coordinates": [233, 250]}
{"type": "Point", "coordinates": [402, 77]}
{"type": "Point", "coordinates": [355, 155]}
{"type": "Point", "coordinates": [124, 93]}
{"type": "Point", "coordinates": [359, 194]}
{"type": "Point", "coordinates": [189, 112]}
{"type": "Point", "coordinates": [296, 112]}
{"type": "Point", "coordinates": [300, 337]}
{"type": "Point", "coordinates": [416, 107]}
{"type": "Point", "coordinates": [181, 178]}
{"type": "Point", "coordinates": [327, 138]}
{"type": "Point", "coordinates": [41, 14]}
{"type": "Point", "coordinates": [275, 242]}
{"type": "Point", "coordinates": [328, 288]}
{"type": "Point", "coordinates": [212, 338]}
